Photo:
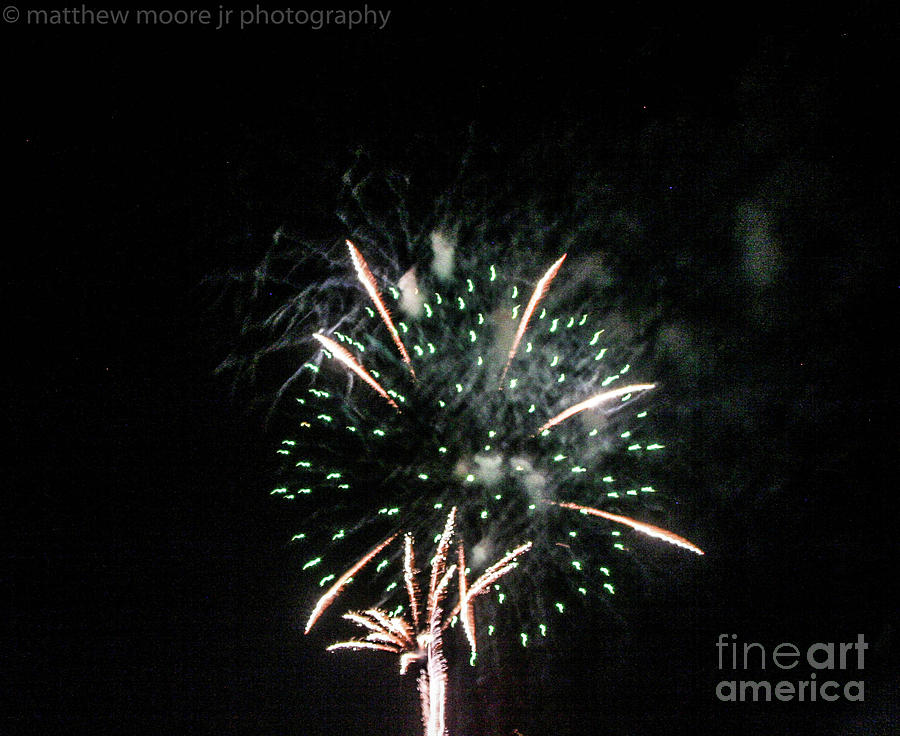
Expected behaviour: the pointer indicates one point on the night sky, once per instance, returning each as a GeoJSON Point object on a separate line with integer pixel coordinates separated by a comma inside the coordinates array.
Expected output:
{"type": "Point", "coordinates": [147, 577]}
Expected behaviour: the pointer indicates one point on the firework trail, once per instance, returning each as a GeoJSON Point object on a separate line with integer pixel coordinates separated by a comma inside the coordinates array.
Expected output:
{"type": "Point", "coordinates": [539, 292]}
{"type": "Point", "coordinates": [648, 529]}
{"type": "Point", "coordinates": [413, 639]}
{"type": "Point", "coordinates": [427, 430]}
{"type": "Point", "coordinates": [368, 281]}
{"type": "Point", "coordinates": [335, 590]}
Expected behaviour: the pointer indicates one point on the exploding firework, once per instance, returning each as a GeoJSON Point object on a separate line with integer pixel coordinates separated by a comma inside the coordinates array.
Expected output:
{"type": "Point", "coordinates": [419, 636]}
{"type": "Point", "coordinates": [462, 384]}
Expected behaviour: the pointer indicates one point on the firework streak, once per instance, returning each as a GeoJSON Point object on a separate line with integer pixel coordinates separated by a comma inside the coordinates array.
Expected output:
{"type": "Point", "coordinates": [648, 529]}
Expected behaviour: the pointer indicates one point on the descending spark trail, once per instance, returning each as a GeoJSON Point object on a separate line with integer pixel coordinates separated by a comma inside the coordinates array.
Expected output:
{"type": "Point", "coordinates": [368, 281]}
{"type": "Point", "coordinates": [648, 529]}
{"type": "Point", "coordinates": [409, 577]}
{"type": "Point", "coordinates": [488, 577]}
{"type": "Point", "coordinates": [595, 401]}
{"type": "Point", "coordinates": [335, 590]}
{"type": "Point", "coordinates": [440, 560]}
{"type": "Point", "coordinates": [539, 292]}
{"type": "Point", "coordinates": [465, 607]}
{"type": "Point", "coordinates": [344, 356]}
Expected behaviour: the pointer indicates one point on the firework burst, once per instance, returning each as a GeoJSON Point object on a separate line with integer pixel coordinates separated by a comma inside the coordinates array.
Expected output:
{"type": "Point", "coordinates": [462, 385]}
{"type": "Point", "coordinates": [419, 637]}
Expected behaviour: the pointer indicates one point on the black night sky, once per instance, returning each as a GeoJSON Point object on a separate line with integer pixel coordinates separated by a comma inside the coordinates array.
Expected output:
{"type": "Point", "coordinates": [147, 576]}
